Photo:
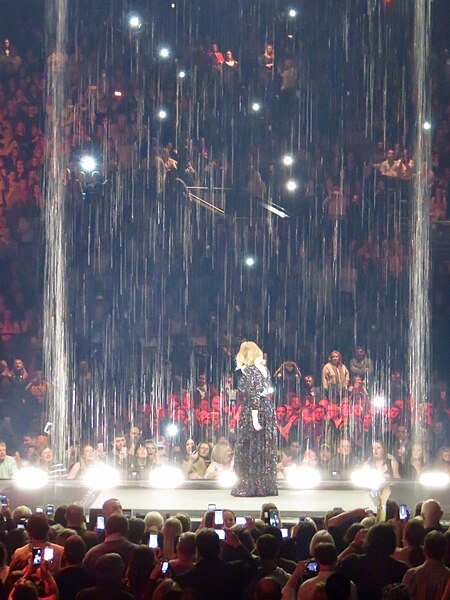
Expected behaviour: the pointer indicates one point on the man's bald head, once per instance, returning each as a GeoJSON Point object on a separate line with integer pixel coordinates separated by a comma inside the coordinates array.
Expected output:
{"type": "Point", "coordinates": [431, 513]}
{"type": "Point", "coordinates": [112, 507]}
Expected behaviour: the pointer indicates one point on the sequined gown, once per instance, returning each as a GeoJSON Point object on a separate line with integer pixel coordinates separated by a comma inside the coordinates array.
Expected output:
{"type": "Point", "coordinates": [255, 451]}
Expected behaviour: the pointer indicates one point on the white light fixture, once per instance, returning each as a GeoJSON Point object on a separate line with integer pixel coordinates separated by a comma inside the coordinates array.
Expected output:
{"type": "Point", "coordinates": [162, 114]}
{"type": "Point", "coordinates": [292, 13]}
{"type": "Point", "coordinates": [249, 261]}
{"type": "Point", "coordinates": [88, 163]}
{"type": "Point", "coordinates": [379, 401]}
{"type": "Point", "coordinates": [164, 53]}
{"type": "Point", "coordinates": [367, 478]}
{"type": "Point", "coordinates": [427, 125]}
{"type": "Point", "coordinates": [101, 476]}
{"type": "Point", "coordinates": [256, 106]}
{"type": "Point", "coordinates": [31, 478]}
{"type": "Point", "coordinates": [166, 478]}
{"type": "Point", "coordinates": [118, 94]}
{"type": "Point", "coordinates": [135, 22]}
{"type": "Point", "coordinates": [287, 160]}
{"type": "Point", "coordinates": [227, 479]}
{"type": "Point", "coordinates": [434, 479]}
{"type": "Point", "coordinates": [172, 430]}
{"type": "Point", "coordinates": [291, 185]}
{"type": "Point", "coordinates": [182, 74]}
{"type": "Point", "coordinates": [303, 477]}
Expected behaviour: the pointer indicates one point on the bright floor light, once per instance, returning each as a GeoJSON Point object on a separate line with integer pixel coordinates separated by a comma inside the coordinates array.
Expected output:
{"type": "Point", "coordinates": [182, 74]}
{"type": "Point", "coordinates": [166, 478]}
{"type": "Point", "coordinates": [88, 163]}
{"type": "Point", "coordinates": [31, 478]}
{"type": "Point", "coordinates": [164, 53]}
{"type": "Point", "coordinates": [227, 479]}
{"type": "Point", "coordinates": [304, 478]}
{"type": "Point", "coordinates": [256, 106]}
{"type": "Point", "coordinates": [434, 479]}
{"type": "Point", "coordinates": [427, 125]}
{"type": "Point", "coordinates": [162, 114]}
{"type": "Point", "coordinates": [249, 261]}
{"type": "Point", "coordinates": [367, 478]}
{"type": "Point", "coordinates": [101, 476]}
{"type": "Point", "coordinates": [292, 13]}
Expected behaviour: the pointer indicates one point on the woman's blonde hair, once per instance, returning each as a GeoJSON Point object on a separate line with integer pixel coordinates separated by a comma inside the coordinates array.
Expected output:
{"type": "Point", "coordinates": [220, 453]}
{"type": "Point", "coordinates": [249, 354]}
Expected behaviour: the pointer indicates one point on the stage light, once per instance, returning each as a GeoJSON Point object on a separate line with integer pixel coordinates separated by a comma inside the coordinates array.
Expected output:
{"type": "Point", "coordinates": [135, 22]}
{"type": "Point", "coordinates": [367, 478]}
{"type": "Point", "coordinates": [290, 36]}
{"type": "Point", "coordinates": [249, 261]}
{"type": "Point", "coordinates": [88, 163]}
{"type": "Point", "coordinates": [256, 106]}
{"type": "Point", "coordinates": [164, 53]}
{"type": "Point", "coordinates": [270, 389]}
{"type": "Point", "coordinates": [118, 94]}
{"type": "Point", "coordinates": [292, 13]}
{"type": "Point", "coordinates": [427, 125]}
{"type": "Point", "coordinates": [287, 160]}
{"type": "Point", "coordinates": [31, 478]}
{"type": "Point", "coordinates": [166, 478]}
{"type": "Point", "coordinates": [172, 430]}
{"type": "Point", "coordinates": [303, 477]}
{"type": "Point", "coordinates": [101, 476]}
{"type": "Point", "coordinates": [291, 185]}
{"type": "Point", "coordinates": [227, 479]}
{"type": "Point", "coordinates": [379, 401]}
{"type": "Point", "coordinates": [434, 479]}
{"type": "Point", "coordinates": [162, 114]}
{"type": "Point", "coordinates": [172, 5]}
{"type": "Point", "coordinates": [182, 74]}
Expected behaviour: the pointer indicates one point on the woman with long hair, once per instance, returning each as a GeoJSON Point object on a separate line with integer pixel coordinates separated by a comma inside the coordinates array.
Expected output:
{"type": "Point", "coordinates": [383, 462]}
{"type": "Point", "coordinates": [256, 439]}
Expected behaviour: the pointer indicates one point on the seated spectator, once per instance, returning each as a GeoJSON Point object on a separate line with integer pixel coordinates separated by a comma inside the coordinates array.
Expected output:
{"type": "Point", "coordinates": [54, 469]}
{"type": "Point", "coordinates": [415, 462]}
{"type": "Point", "coordinates": [116, 542]}
{"type": "Point", "coordinates": [108, 572]}
{"type": "Point", "coordinates": [383, 462]}
{"type": "Point", "coordinates": [38, 530]}
{"type": "Point", "coordinates": [72, 577]}
{"type": "Point", "coordinates": [88, 459]}
{"type": "Point", "coordinates": [443, 460]}
{"type": "Point", "coordinates": [221, 457]}
{"type": "Point", "coordinates": [375, 569]}
{"type": "Point", "coordinates": [195, 464]}
{"type": "Point", "coordinates": [429, 580]}
{"type": "Point", "coordinates": [8, 465]}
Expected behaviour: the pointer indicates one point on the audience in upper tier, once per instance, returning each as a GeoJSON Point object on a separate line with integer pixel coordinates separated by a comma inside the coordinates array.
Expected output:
{"type": "Point", "coordinates": [343, 556]}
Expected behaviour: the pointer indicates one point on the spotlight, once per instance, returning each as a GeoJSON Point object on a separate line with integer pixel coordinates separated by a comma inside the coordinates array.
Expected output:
{"type": "Point", "coordinates": [427, 125]}
{"type": "Point", "coordinates": [249, 261]}
{"type": "Point", "coordinates": [182, 74]}
{"type": "Point", "coordinates": [162, 114]}
{"type": "Point", "coordinates": [101, 476]}
{"type": "Point", "coordinates": [134, 22]}
{"type": "Point", "coordinates": [256, 106]}
{"type": "Point", "coordinates": [167, 478]}
{"type": "Point", "coordinates": [290, 36]}
{"type": "Point", "coordinates": [379, 401]}
{"type": "Point", "coordinates": [172, 5]}
{"type": "Point", "coordinates": [287, 160]}
{"type": "Point", "coordinates": [172, 430]}
{"type": "Point", "coordinates": [270, 389]}
{"type": "Point", "coordinates": [291, 185]}
{"type": "Point", "coordinates": [31, 478]}
{"type": "Point", "coordinates": [367, 478]}
{"type": "Point", "coordinates": [88, 163]}
{"type": "Point", "coordinates": [227, 479]}
{"type": "Point", "coordinates": [434, 479]}
{"type": "Point", "coordinates": [292, 13]}
{"type": "Point", "coordinates": [304, 477]}
{"type": "Point", "coordinates": [164, 53]}
{"type": "Point", "coordinates": [118, 94]}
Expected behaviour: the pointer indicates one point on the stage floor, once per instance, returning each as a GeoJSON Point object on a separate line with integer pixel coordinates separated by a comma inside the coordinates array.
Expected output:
{"type": "Point", "coordinates": [194, 498]}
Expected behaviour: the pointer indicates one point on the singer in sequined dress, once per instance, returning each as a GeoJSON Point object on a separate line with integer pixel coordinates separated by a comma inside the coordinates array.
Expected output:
{"type": "Point", "coordinates": [255, 451]}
